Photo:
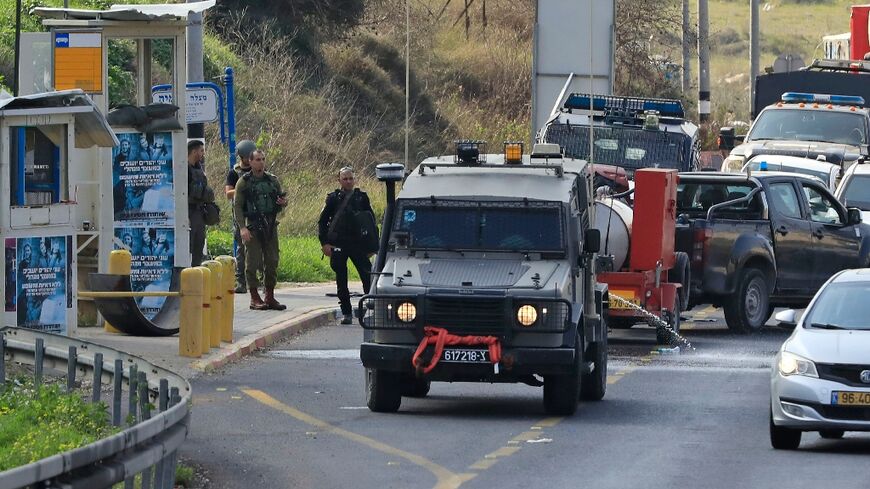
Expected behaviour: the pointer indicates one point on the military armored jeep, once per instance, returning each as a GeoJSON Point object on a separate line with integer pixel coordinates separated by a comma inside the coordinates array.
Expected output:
{"type": "Point", "coordinates": [483, 277]}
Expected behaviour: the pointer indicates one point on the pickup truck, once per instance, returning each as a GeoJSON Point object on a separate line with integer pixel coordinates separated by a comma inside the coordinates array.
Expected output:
{"type": "Point", "coordinates": [763, 240]}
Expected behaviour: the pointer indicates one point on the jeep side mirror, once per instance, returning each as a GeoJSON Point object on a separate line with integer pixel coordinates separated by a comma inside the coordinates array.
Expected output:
{"type": "Point", "coordinates": [786, 317]}
{"type": "Point", "coordinates": [591, 241]}
{"type": "Point", "coordinates": [854, 215]}
{"type": "Point", "coordinates": [726, 138]}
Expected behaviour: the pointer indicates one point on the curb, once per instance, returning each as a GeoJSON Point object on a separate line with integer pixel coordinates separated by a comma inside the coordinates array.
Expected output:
{"type": "Point", "coordinates": [263, 338]}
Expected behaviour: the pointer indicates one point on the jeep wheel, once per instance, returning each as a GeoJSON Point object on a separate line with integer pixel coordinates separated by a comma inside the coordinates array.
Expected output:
{"type": "Point", "coordinates": [414, 387]}
{"type": "Point", "coordinates": [747, 310]}
{"type": "Point", "coordinates": [594, 384]}
{"type": "Point", "coordinates": [383, 391]}
{"type": "Point", "coordinates": [562, 392]}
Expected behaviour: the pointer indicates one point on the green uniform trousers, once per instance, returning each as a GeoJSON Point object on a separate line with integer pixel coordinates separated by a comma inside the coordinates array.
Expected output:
{"type": "Point", "coordinates": [262, 257]}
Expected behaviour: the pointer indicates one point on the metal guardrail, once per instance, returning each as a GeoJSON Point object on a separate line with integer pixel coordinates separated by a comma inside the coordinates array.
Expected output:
{"type": "Point", "coordinates": [147, 447]}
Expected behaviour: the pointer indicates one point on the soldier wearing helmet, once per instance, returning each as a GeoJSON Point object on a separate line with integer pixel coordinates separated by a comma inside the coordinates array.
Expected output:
{"type": "Point", "coordinates": [244, 150]}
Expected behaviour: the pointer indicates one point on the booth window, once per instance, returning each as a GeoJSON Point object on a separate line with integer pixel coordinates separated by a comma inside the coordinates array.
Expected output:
{"type": "Point", "coordinates": [38, 165]}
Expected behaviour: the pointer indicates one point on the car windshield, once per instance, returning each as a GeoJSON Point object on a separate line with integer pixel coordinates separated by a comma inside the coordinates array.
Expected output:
{"type": "Point", "coordinates": [809, 125]}
{"type": "Point", "coordinates": [756, 165]}
{"type": "Point", "coordinates": [624, 146]}
{"type": "Point", "coordinates": [477, 225]}
{"type": "Point", "coordinates": [841, 306]}
{"type": "Point", "coordinates": [856, 192]}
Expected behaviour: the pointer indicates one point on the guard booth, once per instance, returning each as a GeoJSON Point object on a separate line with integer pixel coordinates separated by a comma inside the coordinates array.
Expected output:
{"type": "Point", "coordinates": [131, 194]}
{"type": "Point", "coordinates": [48, 144]}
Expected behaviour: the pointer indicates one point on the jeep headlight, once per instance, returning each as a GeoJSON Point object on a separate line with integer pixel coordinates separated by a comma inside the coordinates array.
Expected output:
{"type": "Point", "coordinates": [407, 312]}
{"type": "Point", "coordinates": [527, 315]}
{"type": "Point", "coordinates": [791, 364]}
{"type": "Point", "coordinates": [733, 164]}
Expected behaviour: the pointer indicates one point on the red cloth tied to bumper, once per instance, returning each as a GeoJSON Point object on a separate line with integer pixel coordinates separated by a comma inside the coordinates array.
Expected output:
{"type": "Point", "coordinates": [440, 337]}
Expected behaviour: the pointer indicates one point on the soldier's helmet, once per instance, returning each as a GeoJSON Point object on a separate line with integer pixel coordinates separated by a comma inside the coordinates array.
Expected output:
{"type": "Point", "coordinates": [245, 148]}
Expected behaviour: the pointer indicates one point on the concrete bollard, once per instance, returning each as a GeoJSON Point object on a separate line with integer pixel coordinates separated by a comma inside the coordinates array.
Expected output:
{"type": "Point", "coordinates": [120, 263]}
{"type": "Point", "coordinates": [190, 317]}
{"type": "Point", "coordinates": [206, 309]}
{"type": "Point", "coordinates": [217, 304]}
{"type": "Point", "coordinates": [229, 289]}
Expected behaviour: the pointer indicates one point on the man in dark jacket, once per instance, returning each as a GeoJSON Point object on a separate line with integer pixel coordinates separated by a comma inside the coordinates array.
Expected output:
{"type": "Point", "coordinates": [198, 193]}
{"type": "Point", "coordinates": [340, 239]}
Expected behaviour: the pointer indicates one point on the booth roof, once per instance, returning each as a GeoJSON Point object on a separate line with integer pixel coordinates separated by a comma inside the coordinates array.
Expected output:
{"type": "Point", "coordinates": [152, 12]}
{"type": "Point", "coordinates": [90, 125]}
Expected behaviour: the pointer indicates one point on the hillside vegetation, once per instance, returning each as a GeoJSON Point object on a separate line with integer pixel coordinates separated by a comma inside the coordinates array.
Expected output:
{"type": "Point", "coordinates": [329, 91]}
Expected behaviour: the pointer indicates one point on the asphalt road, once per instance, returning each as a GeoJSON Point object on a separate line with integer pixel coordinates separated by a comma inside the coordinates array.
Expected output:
{"type": "Point", "coordinates": [295, 417]}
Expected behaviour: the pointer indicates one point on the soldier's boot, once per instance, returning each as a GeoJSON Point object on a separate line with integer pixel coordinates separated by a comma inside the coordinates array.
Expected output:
{"type": "Point", "coordinates": [257, 304]}
{"type": "Point", "coordinates": [271, 302]}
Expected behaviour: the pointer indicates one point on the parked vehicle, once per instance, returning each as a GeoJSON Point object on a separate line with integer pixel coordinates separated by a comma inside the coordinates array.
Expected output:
{"type": "Point", "coordinates": [629, 132]}
{"type": "Point", "coordinates": [820, 380]}
{"type": "Point", "coordinates": [807, 125]}
{"type": "Point", "coordinates": [827, 173]}
{"type": "Point", "coordinates": [764, 240]}
{"type": "Point", "coordinates": [854, 189]}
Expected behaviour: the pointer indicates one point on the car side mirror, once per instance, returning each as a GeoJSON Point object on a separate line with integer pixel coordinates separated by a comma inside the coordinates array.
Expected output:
{"type": "Point", "coordinates": [591, 241]}
{"type": "Point", "coordinates": [787, 317]}
{"type": "Point", "coordinates": [728, 139]}
{"type": "Point", "coordinates": [854, 215]}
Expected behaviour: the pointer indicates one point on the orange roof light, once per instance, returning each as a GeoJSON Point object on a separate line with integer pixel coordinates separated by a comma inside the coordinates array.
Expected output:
{"type": "Point", "coordinates": [513, 152]}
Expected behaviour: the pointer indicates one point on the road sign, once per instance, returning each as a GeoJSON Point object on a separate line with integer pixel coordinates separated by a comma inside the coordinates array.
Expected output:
{"type": "Point", "coordinates": [78, 61]}
{"type": "Point", "coordinates": [203, 103]}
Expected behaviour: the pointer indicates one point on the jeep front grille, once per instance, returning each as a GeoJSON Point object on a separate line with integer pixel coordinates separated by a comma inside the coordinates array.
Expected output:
{"type": "Point", "coordinates": [467, 316]}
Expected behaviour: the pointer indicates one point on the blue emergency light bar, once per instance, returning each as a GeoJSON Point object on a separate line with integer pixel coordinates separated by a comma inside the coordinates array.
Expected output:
{"type": "Point", "coordinates": [797, 97]}
{"type": "Point", "coordinates": [631, 105]}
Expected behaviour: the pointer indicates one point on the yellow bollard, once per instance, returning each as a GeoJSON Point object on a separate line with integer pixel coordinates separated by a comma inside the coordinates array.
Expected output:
{"type": "Point", "coordinates": [190, 318]}
{"type": "Point", "coordinates": [229, 289]}
{"type": "Point", "coordinates": [206, 309]}
{"type": "Point", "coordinates": [217, 303]}
{"type": "Point", "coordinates": [120, 263]}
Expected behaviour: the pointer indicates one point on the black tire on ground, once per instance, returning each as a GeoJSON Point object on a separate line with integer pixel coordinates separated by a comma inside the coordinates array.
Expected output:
{"type": "Point", "coordinates": [562, 392]}
{"type": "Point", "coordinates": [663, 336]}
{"type": "Point", "coordinates": [414, 387]}
{"type": "Point", "coordinates": [594, 384]}
{"type": "Point", "coordinates": [383, 390]}
{"type": "Point", "coordinates": [832, 434]}
{"type": "Point", "coordinates": [784, 438]}
{"type": "Point", "coordinates": [683, 276]}
{"type": "Point", "coordinates": [748, 308]}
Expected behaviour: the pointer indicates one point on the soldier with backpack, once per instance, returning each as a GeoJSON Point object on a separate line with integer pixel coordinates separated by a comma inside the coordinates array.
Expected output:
{"type": "Point", "coordinates": [244, 150]}
{"type": "Point", "coordinates": [347, 229]}
{"type": "Point", "coordinates": [258, 199]}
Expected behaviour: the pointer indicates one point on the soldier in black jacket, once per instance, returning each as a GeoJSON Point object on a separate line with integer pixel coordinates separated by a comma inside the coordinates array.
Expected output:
{"type": "Point", "coordinates": [339, 233]}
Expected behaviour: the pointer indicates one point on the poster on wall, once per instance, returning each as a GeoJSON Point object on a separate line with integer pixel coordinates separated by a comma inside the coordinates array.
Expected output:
{"type": "Point", "coordinates": [41, 289]}
{"type": "Point", "coordinates": [153, 252]}
{"type": "Point", "coordinates": [142, 185]}
{"type": "Point", "coordinates": [10, 274]}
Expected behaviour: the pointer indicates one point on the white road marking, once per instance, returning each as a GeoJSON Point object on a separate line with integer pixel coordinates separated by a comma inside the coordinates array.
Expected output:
{"type": "Point", "coordinates": [315, 354]}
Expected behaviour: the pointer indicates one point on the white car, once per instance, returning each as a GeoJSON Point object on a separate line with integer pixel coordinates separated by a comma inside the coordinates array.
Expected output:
{"type": "Point", "coordinates": [854, 190]}
{"type": "Point", "coordinates": [820, 380]}
{"type": "Point", "coordinates": [827, 173]}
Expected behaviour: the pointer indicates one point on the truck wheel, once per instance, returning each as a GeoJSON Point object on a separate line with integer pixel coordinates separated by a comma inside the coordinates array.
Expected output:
{"type": "Point", "coordinates": [414, 387]}
{"type": "Point", "coordinates": [783, 438]}
{"type": "Point", "coordinates": [748, 309]}
{"type": "Point", "coordinates": [594, 384]}
{"type": "Point", "coordinates": [562, 392]}
{"type": "Point", "coordinates": [683, 276]}
{"type": "Point", "coordinates": [383, 390]}
{"type": "Point", "coordinates": [663, 336]}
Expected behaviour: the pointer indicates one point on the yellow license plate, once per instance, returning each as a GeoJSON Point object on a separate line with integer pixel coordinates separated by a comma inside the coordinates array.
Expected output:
{"type": "Point", "coordinates": [627, 295]}
{"type": "Point", "coordinates": [842, 398]}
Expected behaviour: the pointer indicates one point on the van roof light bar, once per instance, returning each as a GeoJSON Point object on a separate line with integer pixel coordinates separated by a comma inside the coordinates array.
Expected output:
{"type": "Point", "coordinates": [797, 97]}
{"type": "Point", "coordinates": [632, 106]}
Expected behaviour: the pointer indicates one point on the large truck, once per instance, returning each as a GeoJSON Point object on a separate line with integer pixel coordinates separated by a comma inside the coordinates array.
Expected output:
{"type": "Point", "coordinates": [484, 275]}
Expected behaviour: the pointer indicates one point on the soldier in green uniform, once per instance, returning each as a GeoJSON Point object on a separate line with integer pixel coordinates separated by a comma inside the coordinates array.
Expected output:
{"type": "Point", "coordinates": [258, 199]}
{"type": "Point", "coordinates": [244, 150]}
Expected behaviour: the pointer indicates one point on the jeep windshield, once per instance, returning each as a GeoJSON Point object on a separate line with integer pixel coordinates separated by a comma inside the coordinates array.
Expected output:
{"type": "Point", "coordinates": [470, 225]}
{"type": "Point", "coordinates": [809, 125]}
{"type": "Point", "coordinates": [628, 147]}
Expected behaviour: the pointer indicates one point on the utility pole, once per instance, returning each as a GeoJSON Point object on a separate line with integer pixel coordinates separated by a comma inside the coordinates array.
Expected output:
{"type": "Point", "coordinates": [194, 66]}
{"type": "Point", "coordinates": [687, 49]}
{"type": "Point", "coordinates": [753, 49]}
{"type": "Point", "coordinates": [703, 63]}
{"type": "Point", "coordinates": [17, 47]}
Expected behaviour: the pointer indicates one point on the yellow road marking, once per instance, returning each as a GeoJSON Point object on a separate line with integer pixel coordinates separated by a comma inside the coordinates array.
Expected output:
{"type": "Point", "coordinates": [446, 478]}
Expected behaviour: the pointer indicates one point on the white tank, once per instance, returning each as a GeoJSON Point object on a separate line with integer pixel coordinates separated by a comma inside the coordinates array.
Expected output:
{"type": "Point", "coordinates": [614, 218]}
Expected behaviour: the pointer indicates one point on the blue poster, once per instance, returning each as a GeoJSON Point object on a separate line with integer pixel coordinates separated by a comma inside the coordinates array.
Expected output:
{"type": "Point", "coordinates": [142, 184]}
{"type": "Point", "coordinates": [153, 252]}
{"type": "Point", "coordinates": [41, 299]}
